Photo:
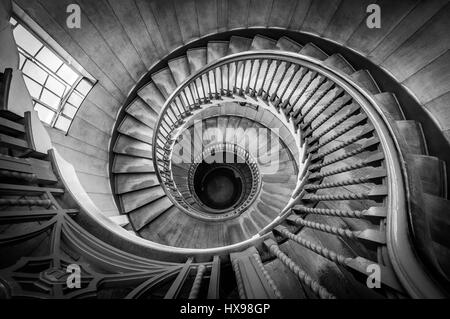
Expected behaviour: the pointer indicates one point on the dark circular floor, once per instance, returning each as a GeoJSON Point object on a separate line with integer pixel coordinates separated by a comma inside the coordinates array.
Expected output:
{"type": "Point", "coordinates": [219, 187]}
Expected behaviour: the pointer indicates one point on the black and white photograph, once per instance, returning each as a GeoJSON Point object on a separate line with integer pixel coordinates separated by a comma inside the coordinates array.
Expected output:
{"type": "Point", "coordinates": [224, 158]}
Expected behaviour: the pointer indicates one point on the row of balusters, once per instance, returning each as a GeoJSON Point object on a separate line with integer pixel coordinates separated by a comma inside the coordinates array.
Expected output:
{"type": "Point", "coordinates": [278, 82]}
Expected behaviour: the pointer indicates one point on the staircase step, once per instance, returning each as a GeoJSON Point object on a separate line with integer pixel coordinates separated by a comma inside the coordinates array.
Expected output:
{"type": "Point", "coordinates": [43, 170]}
{"type": "Point", "coordinates": [364, 79]}
{"type": "Point", "coordinates": [239, 44]}
{"type": "Point", "coordinates": [432, 174]}
{"type": "Point", "coordinates": [130, 146]}
{"type": "Point", "coordinates": [389, 104]}
{"type": "Point", "coordinates": [197, 59]}
{"type": "Point", "coordinates": [10, 115]}
{"type": "Point", "coordinates": [152, 96]}
{"type": "Point", "coordinates": [163, 79]}
{"type": "Point", "coordinates": [275, 200]}
{"type": "Point", "coordinates": [26, 202]}
{"type": "Point", "coordinates": [276, 178]}
{"type": "Point", "coordinates": [284, 189]}
{"type": "Point", "coordinates": [146, 214]}
{"type": "Point", "coordinates": [121, 220]}
{"type": "Point", "coordinates": [11, 163]}
{"type": "Point", "coordinates": [130, 229]}
{"type": "Point", "coordinates": [287, 44]}
{"type": "Point", "coordinates": [413, 135]}
{"type": "Point", "coordinates": [180, 170]}
{"type": "Point", "coordinates": [33, 215]}
{"type": "Point", "coordinates": [24, 190]}
{"type": "Point", "coordinates": [166, 230]}
{"type": "Point", "coordinates": [235, 232]}
{"type": "Point", "coordinates": [437, 210]}
{"type": "Point", "coordinates": [129, 164]}
{"type": "Point", "coordinates": [180, 69]}
{"type": "Point", "coordinates": [261, 42]}
{"type": "Point", "coordinates": [216, 50]}
{"type": "Point", "coordinates": [133, 200]}
{"type": "Point", "coordinates": [142, 112]}
{"type": "Point", "coordinates": [313, 51]}
{"type": "Point", "coordinates": [134, 128]}
{"type": "Point", "coordinates": [337, 61]}
{"type": "Point", "coordinates": [249, 226]}
{"type": "Point", "coordinates": [132, 182]}
{"type": "Point", "coordinates": [267, 212]}
{"type": "Point", "coordinates": [30, 169]}
{"type": "Point", "coordinates": [12, 142]}
{"type": "Point", "coordinates": [11, 128]}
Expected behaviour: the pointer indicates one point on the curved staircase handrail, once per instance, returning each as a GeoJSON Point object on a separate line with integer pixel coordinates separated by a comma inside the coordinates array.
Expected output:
{"type": "Point", "coordinates": [117, 236]}
{"type": "Point", "coordinates": [402, 253]}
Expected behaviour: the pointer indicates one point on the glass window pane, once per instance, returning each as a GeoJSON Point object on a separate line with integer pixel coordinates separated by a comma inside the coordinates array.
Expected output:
{"type": "Point", "coordinates": [69, 110]}
{"type": "Point", "coordinates": [49, 78]}
{"type": "Point", "coordinates": [84, 87]}
{"type": "Point", "coordinates": [26, 40]}
{"type": "Point", "coordinates": [34, 88]}
{"type": "Point", "coordinates": [67, 74]}
{"type": "Point", "coordinates": [34, 72]}
{"type": "Point", "coordinates": [75, 99]}
{"type": "Point", "coordinates": [50, 99]}
{"type": "Point", "coordinates": [49, 59]}
{"type": "Point", "coordinates": [62, 123]}
{"type": "Point", "coordinates": [12, 21]}
{"type": "Point", "coordinates": [44, 113]}
{"type": "Point", "coordinates": [21, 61]}
{"type": "Point", "coordinates": [55, 86]}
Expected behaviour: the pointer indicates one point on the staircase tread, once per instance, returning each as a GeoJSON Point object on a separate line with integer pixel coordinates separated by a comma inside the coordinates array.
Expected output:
{"type": "Point", "coordinates": [338, 61]}
{"type": "Point", "coordinates": [238, 44]}
{"type": "Point", "coordinates": [152, 96]}
{"type": "Point", "coordinates": [13, 142]}
{"type": "Point", "coordinates": [413, 135]}
{"type": "Point", "coordinates": [261, 42]}
{"type": "Point", "coordinates": [313, 51]}
{"type": "Point", "coordinates": [163, 79]}
{"type": "Point", "coordinates": [131, 182]}
{"type": "Point", "coordinates": [390, 106]}
{"type": "Point", "coordinates": [130, 146]}
{"type": "Point", "coordinates": [27, 189]}
{"type": "Point", "coordinates": [365, 80]}
{"type": "Point", "coordinates": [130, 164]}
{"type": "Point", "coordinates": [136, 129]}
{"type": "Point", "coordinates": [197, 58]}
{"type": "Point", "coordinates": [216, 50]}
{"type": "Point", "coordinates": [10, 127]}
{"type": "Point", "coordinates": [142, 112]}
{"type": "Point", "coordinates": [142, 216]}
{"type": "Point", "coordinates": [287, 44]}
{"type": "Point", "coordinates": [180, 69]}
{"type": "Point", "coordinates": [431, 171]}
{"type": "Point", "coordinates": [136, 199]}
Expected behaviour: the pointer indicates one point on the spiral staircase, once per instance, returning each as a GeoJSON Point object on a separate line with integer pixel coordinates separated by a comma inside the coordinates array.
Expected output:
{"type": "Point", "coordinates": [340, 183]}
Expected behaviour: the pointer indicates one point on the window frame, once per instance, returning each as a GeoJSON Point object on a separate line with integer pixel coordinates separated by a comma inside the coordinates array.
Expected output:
{"type": "Point", "coordinates": [70, 89]}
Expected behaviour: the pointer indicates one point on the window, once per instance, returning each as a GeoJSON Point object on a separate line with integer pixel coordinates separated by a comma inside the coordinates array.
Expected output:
{"type": "Point", "coordinates": [57, 88]}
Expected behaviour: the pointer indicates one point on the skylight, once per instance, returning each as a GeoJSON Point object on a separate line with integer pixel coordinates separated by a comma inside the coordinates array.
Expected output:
{"type": "Point", "coordinates": [57, 88]}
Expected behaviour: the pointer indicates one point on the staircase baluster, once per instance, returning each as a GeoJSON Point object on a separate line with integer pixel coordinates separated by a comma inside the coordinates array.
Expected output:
{"type": "Point", "coordinates": [303, 276]}
{"type": "Point", "coordinates": [197, 282]}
